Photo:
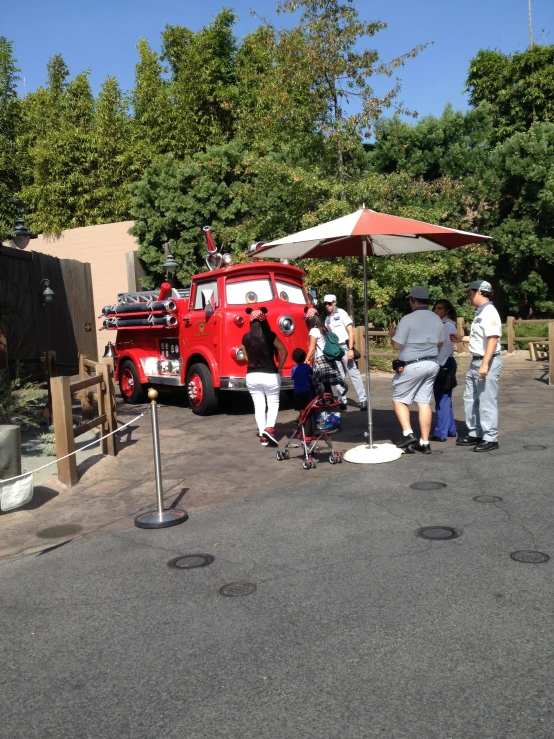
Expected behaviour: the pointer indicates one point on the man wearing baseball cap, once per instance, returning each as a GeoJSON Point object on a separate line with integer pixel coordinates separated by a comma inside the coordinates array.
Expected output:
{"type": "Point", "coordinates": [481, 391]}
{"type": "Point", "coordinates": [339, 322]}
{"type": "Point", "coordinates": [418, 338]}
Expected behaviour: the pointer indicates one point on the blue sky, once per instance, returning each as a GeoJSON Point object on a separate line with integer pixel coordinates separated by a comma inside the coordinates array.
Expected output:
{"type": "Point", "coordinates": [101, 35]}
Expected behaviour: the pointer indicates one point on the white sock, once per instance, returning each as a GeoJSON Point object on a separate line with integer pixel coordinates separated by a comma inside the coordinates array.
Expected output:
{"type": "Point", "coordinates": [423, 443]}
{"type": "Point", "coordinates": [408, 432]}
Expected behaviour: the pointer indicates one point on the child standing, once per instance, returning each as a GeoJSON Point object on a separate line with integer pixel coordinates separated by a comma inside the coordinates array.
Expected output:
{"type": "Point", "coordinates": [302, 378]}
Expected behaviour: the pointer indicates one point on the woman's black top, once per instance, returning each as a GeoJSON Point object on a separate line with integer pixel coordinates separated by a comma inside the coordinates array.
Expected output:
{"type": "Point", "coordinates": [267, 363]}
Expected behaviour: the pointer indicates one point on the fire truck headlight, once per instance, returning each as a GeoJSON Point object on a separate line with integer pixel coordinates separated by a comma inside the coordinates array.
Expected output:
{"type": "Point", "coordinates": [227, 259]}
{"type": "Point", "coordinates": [286, 324]}
{"type": "Point", "coordinates": [239, 320]}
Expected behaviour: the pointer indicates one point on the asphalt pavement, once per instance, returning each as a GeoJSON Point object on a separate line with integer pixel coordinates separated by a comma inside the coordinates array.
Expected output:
{"type": "Point", "coordinates": [358, 628]}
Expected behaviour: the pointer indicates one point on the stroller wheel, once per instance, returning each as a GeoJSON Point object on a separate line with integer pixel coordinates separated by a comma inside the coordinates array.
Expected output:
{"type": "Point", "coordinates": [339, 457]}
{"type": "Point", "coordinates": [279, 456]}
{"type": "Point", "coordinates": [306, 465]}
{"type": "Point", "coordinates": [332, 459]}
{"type": "Point", "coordinates": [286, 454]}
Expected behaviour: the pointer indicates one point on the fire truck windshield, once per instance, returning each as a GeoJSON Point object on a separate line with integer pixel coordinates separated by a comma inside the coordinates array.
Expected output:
{"type": "Point", "coordinates": [291, 293]}
{"type": "Point", "coordinates": [249, 291]}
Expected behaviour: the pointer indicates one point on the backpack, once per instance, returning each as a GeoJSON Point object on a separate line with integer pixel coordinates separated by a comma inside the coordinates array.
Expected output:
{"type": "Point", "coordinates": [332, 350]}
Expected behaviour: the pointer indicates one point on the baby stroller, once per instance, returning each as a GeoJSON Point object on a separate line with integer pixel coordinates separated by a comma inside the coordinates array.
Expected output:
{"type": "Point", "coordinates": [317, 422]}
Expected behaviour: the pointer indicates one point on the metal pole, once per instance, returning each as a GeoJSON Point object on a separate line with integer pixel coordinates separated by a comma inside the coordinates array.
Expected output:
{"type": "Point", "coordinates": [159, 519]}
{"type": "Point", "coordinates": [368, 382]}
{"type": "Point", "coordinates": [530, 27]}
{"type": "Point", "coordinates": [157, 458]}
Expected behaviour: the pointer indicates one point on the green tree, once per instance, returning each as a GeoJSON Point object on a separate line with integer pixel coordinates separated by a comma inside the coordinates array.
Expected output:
{"type": "Point", "coordinates": [339, 73]}
{"type": "Point", "coordinates": [61, 189]}
{"type": "Point", "coordinates": [519, 87]}
{"type": "Point", "coordinates": [10, 114]}
{"type": "Point", "coordinates": [203, 88]}
{"type": "Point", "coordinates": [455, 145]}
{"type": "Point", "coordinates": [115, 161]}
{"type": "Point", "coordinates": [521, 219]}
{"type": "Point", "coordinates": [154, 116]}
{"type": "Point", "coordinates": [174, 199]}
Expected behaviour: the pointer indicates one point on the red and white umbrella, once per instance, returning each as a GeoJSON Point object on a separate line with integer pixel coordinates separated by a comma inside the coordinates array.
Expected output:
{"type": "Point", "coordinates": [362, 234]}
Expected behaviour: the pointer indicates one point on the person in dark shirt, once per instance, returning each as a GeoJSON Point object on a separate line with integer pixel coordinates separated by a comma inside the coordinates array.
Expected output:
{"type": "Point", "coordinates": [302, 378]}
{"type": "Point", "coordinates": [261, 347]}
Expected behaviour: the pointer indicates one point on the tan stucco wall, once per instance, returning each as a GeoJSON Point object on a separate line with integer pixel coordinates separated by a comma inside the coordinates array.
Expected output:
{"type": "Point", "coordinates": [104, 248]}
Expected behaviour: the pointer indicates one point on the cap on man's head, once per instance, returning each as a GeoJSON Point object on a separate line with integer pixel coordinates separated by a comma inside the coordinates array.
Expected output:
{"type": "Point", "coordinates": [419, 293]}
{"type": "Point", "coordinates": [480, 285]}
{"type": "Point", "coordinates": [329, 298]}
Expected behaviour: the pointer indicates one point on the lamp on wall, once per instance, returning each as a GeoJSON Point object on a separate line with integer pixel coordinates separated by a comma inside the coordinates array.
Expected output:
{"type": "Point", "coordinates": [170, 265]}
{"type": "Point", "coordinates": [46, 295]}
{"type": "Point", "coordinates": [22, 235]}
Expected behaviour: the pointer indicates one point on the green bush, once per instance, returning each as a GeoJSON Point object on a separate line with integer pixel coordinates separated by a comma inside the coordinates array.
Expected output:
{"type": "Point", "coordinates": [20, 400]}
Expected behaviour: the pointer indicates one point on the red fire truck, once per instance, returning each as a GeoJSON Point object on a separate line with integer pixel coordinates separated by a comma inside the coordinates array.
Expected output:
{"type": "Point", "coordinates": [191, 338]}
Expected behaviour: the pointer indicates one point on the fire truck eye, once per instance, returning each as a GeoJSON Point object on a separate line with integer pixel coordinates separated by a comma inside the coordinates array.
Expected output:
{"type": "Point", "coordinates": [286, 324]}
{"type": "Point", "coordinates": [251, 297]}
{"type": "Point", "coordinates": [284, 296]}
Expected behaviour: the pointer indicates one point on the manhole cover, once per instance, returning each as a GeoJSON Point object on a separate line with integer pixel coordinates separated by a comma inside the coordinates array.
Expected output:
{"type": "Point", "coordinates": [530, 557]}
{"type": "Point", "coordinates": [438, 533]}
{"type": "Point", "coordinates": [438, 451]}
{"type": "Point", "coordinates": [236, 589]}
{"type": "Point", "coordinates": [428, 485]}
{"type": "Point", "coordinates": [190, 561]}
{"type": "Point", "coordinates": [56, 532]}
{"type": "Point", "coordinates": [487, 499]}
{"type": "Point", "coordinates": [534, 447]}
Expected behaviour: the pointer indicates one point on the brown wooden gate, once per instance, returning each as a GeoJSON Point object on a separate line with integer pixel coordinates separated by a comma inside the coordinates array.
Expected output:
{"type": "Point", "coordinates": [31, 326]}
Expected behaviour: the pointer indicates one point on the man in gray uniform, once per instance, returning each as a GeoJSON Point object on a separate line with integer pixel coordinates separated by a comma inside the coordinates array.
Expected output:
{"type": "Point", "coordinates": [481, 391]}
{"type": "Point", "coordinates": [418, 338]}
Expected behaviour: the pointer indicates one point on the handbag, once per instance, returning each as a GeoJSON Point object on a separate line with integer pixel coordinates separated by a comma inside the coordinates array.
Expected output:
{"type": "Point", "coordinates": [357, 354]}
{"type": "Point", "coordinates": [447, 378]}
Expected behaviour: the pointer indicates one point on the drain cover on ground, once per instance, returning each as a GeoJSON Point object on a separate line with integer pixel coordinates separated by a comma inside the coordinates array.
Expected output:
{"type": "Point", "coordinates": [190, 561]}
{"type": "Point", "coordinates": [236, 589]}
{"type": "Point", "coordinates": [487, 499]}
{"type": "Point", "coordinates": [438, 533]}
{"type": "Point", "coordinates": [56, 532]}
{"type": "Point", "coordinates": [530, 557]}
{"type": "Point", "coordinates": [428, 485]}
{"type": "Point", "coordinates": [534, 447]}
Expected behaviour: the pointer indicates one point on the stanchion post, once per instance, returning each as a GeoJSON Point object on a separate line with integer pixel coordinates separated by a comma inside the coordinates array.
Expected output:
{"type": "Point", "coordinates": [158, 519]}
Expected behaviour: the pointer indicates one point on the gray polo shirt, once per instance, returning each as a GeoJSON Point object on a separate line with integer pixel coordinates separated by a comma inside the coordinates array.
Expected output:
{"type": "Point", "coordinates": [419, 332]}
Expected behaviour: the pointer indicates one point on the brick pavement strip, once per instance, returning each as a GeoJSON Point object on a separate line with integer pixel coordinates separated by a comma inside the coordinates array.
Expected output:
{"type": "Point", "coordinates": [215, 460]}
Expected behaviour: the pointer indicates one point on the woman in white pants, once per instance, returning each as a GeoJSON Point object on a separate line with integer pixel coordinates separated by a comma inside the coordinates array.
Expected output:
{"type": "Point", "coordinates": [261, 347]}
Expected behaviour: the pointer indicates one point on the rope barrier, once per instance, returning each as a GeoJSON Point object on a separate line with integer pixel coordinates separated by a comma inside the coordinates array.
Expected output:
{"type": "Point", "coordinates": [92, 443]}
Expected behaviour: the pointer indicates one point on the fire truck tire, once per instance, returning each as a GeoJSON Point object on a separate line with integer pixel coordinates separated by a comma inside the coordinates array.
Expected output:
{"type": "Point", "coordinates": [203, 396]}
{"type": "Point", "coordinates": [130, 388]}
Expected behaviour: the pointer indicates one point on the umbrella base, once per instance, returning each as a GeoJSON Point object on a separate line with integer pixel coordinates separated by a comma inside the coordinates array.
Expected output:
{"type": "Point", "coordinates": [380, 453]}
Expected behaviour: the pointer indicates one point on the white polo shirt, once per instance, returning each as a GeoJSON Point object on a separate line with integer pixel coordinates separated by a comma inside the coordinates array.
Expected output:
{"type": "Point", "coordinates": [419, 332]}
{"type": "Point", "coordinates": [485, 324]}
{"type": "Point", "coordinates": [337, 321]}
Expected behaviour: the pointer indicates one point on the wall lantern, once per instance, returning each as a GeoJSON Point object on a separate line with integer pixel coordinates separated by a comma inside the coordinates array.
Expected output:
{"type": "Point", "coordinates": [47, 295]}
{"type": "Point", "coordinates": [22, 235]}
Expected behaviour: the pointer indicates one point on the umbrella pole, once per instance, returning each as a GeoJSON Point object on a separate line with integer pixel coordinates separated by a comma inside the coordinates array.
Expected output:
{"type": "Point", "coordinates": [366, 334]}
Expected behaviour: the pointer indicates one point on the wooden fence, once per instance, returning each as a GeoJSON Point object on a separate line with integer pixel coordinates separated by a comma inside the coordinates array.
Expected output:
{"type": "Point", "coordinates": [511, 341]}
{"type": "Point", "coordinates": [62, 390]}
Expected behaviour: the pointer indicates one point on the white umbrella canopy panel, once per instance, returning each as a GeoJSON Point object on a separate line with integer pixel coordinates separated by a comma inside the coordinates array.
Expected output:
{"type": "Point", "coordinates": [361, 234]}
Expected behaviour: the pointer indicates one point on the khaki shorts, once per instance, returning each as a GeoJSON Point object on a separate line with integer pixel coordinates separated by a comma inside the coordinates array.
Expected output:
{"type": "Point", "coordinates": [415, 384]}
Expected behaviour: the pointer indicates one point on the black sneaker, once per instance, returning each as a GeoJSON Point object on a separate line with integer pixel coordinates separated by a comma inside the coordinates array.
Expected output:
{"type": "Point", "coordinates": [467, 440]}
{"type": "Point", "coordinates": [423, 448]}
{"type": "Point", "coordinates": [363, 406]}
{"type": "Point", "coordinates": [406, 441]}
{"type": "Point", "coordinates": [344, 407]}
{"type": "Point", "coordinates": [486, 446]}
{"type": "Point", "coordinates": [436, 438]}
